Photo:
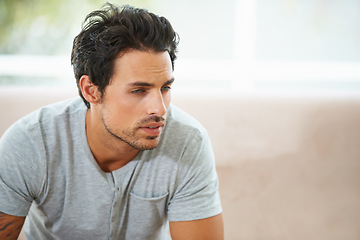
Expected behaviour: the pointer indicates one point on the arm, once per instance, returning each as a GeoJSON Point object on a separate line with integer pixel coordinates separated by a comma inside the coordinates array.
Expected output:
{"type": "Point", "coordinates": [10, 226]}
{"type": "Point", "coordinates": [204, 229]}
{"type": "Point", "coordinates": [20, 176]}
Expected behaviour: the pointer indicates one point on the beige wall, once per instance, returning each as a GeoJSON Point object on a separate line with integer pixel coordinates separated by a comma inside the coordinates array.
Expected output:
{"type": "Point", "coordinates": [289, 165]}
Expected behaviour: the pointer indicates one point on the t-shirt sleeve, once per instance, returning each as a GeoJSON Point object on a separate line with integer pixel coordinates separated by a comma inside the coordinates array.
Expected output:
{"type": "Point", "coordinates": [197, 195]}
{"type": "Point", "coordinates": [20, 173]}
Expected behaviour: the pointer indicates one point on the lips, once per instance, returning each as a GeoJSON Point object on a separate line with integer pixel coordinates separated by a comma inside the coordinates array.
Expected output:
{"type": "Point", "coordinates": [153, 129]}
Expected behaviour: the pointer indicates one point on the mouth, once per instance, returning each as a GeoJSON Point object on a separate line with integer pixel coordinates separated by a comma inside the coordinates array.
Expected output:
{"type": "Point", "coordinates": [153, 129]}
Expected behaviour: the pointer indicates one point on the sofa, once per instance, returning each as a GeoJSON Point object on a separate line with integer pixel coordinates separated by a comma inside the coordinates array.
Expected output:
{"type": "Point", "coordinates": [288, 163]}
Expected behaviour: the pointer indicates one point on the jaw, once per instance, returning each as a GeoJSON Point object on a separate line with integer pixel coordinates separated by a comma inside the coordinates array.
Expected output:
{"type": "Point", "coordinates": [133, 139]}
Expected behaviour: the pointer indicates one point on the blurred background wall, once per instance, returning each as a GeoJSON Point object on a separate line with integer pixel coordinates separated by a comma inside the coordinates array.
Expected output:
{"type": "Point", "coordinates": [247, 45]}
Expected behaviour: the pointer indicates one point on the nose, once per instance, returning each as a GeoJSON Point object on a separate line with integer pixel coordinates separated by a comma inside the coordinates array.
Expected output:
{"type": "Point", "coordinates": [157, 105]}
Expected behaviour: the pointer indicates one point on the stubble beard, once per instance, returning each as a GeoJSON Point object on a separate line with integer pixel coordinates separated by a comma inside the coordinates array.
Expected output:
{"type": "Point", "coordinates": [129, 136]}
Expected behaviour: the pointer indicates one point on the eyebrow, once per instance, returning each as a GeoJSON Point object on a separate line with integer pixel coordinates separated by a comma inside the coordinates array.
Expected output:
{"type": "Point", "coordinates": [146, 84]}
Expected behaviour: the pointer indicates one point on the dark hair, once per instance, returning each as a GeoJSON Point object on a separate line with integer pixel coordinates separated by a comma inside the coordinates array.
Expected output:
{"type": "Point", "coordinates": [108, 32]}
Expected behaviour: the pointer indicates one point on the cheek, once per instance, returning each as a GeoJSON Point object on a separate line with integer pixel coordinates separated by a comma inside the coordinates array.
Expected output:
{"type": "Point", "coordinates": [121, 113]}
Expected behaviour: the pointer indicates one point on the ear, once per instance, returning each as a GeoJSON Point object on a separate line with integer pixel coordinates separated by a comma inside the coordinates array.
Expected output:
{"type": "Point", "coordinates": [89, 90]}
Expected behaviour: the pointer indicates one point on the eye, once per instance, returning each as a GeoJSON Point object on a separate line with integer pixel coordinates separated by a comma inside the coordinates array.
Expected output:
{"type": "Point", "coordinates": [166, 88]}
{"type": "Point", "coordinates": [138, 91]}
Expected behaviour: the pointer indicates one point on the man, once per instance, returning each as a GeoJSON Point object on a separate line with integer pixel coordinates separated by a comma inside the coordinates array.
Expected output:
{"type": "Point", "coordinates": [126, 164]}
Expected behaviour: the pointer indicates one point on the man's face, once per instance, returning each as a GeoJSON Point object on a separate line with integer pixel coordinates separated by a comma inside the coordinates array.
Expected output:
{"type": "Point", "coordinates": [134, 106]}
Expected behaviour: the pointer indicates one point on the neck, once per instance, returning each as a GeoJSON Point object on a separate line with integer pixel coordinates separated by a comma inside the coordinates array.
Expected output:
{"type": "Point", "coordinates": [109, 154]}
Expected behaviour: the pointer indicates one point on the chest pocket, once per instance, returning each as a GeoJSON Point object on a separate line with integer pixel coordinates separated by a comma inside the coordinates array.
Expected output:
{"type": "Point", "coordinates": [147, 217]}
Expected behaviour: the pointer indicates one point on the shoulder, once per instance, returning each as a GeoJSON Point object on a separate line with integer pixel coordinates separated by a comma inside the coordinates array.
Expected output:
{"type": "Point", "coordinates": [184, 138]}
{"type": "Point", "coordinates": [65, 108]}
{"type": "Point", "coordinates": [181, 122]}
{"type": "Point", "coordinates": [49, 114]}
{"type": "Point", "coordinates": [28, 143]}
{"type": "Point", "coordinates": [31, 129]}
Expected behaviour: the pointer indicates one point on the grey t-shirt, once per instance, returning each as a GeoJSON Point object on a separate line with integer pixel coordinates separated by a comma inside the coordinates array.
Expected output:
{"type": "Point", "coordinates": [46, 164]}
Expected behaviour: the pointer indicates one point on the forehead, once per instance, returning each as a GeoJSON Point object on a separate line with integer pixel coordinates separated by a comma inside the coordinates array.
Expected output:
{"type": "Point", "coordinates": [142, 64]}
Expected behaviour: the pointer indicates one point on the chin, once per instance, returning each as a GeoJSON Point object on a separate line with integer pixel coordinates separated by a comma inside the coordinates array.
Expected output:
{"type": "Point", "coordinates": [148, 144]}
